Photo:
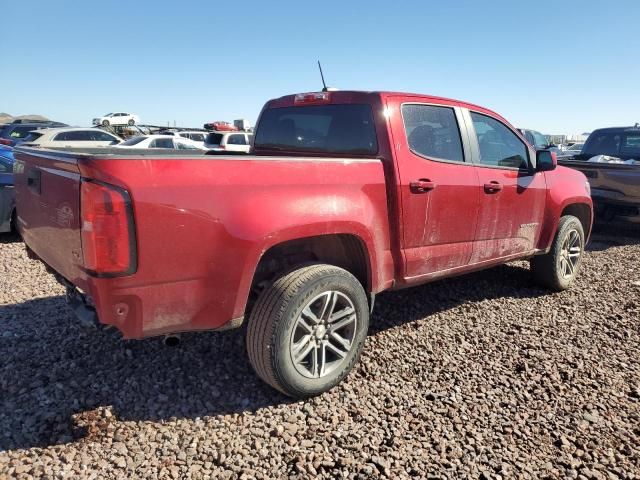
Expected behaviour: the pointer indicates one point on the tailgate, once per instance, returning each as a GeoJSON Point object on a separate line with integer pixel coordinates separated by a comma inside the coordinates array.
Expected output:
{"type": "Point", "coordinates": [47, 188]}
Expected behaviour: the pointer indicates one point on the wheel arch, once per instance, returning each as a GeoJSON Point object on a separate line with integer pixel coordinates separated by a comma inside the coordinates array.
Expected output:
{"type": "Point", "coordinates": [582, 212]}
{"type": "Point", "coordinates": [345, 250]}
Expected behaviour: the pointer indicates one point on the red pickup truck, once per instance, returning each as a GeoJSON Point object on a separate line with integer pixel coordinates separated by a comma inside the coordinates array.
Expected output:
{"type": "Point", "coordinates": [346, 194]}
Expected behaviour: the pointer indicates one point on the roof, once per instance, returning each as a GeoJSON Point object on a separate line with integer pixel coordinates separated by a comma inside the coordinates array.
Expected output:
{"type": "Point", "coordinates": [618, 129]}
{"type": "Point", "coordinates": [386, 93]}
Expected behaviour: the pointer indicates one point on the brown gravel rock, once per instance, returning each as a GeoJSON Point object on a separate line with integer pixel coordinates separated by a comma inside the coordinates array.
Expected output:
{"type": "Point", "coordinates": [483, 376]}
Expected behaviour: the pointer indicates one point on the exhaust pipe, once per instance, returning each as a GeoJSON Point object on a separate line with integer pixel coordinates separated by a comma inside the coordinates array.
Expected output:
{"type": "Point", "coordinates": [171, 340]}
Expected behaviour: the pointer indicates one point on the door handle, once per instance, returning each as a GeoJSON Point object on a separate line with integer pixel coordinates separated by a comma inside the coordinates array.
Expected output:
{"type": "Point", "coordinates": [492, 187]}
{"type": "Point", "coordinates": [34, 181]}
{"type": "Point", "coordinates": [422, 186]}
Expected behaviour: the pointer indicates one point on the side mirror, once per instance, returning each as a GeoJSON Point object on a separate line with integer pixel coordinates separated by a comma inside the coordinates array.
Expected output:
{"type": "Point", "coordinates": [546, 161]}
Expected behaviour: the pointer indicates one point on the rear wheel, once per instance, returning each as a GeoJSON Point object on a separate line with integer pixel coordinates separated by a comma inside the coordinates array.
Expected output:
{"type": "Point", "coordinates": [131, 122]}
{"type": "Point", "coordinates": [558, 269]}
{"type": "Point", "coordinates": [306, 330]}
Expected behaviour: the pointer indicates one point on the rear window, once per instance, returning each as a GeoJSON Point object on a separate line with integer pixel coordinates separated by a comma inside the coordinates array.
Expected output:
{"type": "Point", "coordinates": [613, 143]}
{"type": "Point", "coordinates": [21, 132]}
{"type": "Point", "coordinates": [343, 129]}
{"type": "Point", "coordinates": [214, 138]}
{"type": "Point", "coordinates": [33, 136]}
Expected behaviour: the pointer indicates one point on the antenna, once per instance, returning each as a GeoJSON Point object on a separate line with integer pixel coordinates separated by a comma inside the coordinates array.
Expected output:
{"type": "Point", "coordinates": [324, 85]}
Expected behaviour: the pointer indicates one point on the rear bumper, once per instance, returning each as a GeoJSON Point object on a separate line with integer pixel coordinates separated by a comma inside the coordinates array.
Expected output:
{"type": "Point", "coordinates": [148, 311]}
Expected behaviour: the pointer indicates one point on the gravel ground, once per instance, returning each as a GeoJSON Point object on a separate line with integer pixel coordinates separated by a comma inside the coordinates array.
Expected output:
{"type": "Point", "coordinates": [483, 376]}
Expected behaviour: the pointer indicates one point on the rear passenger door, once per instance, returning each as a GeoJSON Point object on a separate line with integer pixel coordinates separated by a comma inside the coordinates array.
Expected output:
{"type": "Point", "coordinates": [438, 185]}
{"type": "Point", "coordinates": [512, 194]}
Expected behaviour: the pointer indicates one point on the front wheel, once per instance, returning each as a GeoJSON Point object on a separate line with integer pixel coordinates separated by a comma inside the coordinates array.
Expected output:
{"type": "Point", "coordinates": [105, 123]}
{"type": "Point", "coordinates": [306, 331]}
{"type": "Point", "coordinates": [558, 269]}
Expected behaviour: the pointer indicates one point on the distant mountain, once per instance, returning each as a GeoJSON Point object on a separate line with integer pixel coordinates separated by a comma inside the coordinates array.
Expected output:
{"type": "Point", "coordinates": [6, 118]}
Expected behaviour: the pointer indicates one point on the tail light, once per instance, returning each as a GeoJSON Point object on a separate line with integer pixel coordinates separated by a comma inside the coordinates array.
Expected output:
{"type": "Point", "coordinates": [222, 147]}
{"type": "Point", "coordinates": [4, 141]}
{"type": "Point", "coordinates": [108, 237]}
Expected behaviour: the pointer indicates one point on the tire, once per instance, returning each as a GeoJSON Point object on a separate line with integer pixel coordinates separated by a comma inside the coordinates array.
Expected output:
{"type": "Point", "coordinates": [278, 329]}
{"type": "Point", "coordinates": [105, 123]}
{"type": "Point", "coordinates": [558, 269]}
{"type": "Point", "coordinates": [131, 122]}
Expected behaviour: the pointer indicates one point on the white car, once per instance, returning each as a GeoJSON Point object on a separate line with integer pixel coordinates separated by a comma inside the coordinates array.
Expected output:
{"type": "Point", "coordinates": [70, 137]}
{"type": "Point", "coordinates": [195, 135]}
{"type": "Point", "coordinates": [120, 118]}
{"type": "Point", "coordinates": [161, 141]}
{"type": "Point", "coordinates": [228, 141]}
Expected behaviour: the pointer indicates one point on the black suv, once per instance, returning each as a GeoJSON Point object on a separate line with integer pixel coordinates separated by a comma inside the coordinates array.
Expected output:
{"type": "Point", "coordinates": [13, 133]}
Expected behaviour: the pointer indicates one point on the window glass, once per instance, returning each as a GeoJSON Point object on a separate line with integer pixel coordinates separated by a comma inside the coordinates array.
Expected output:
{"type": "Point", "coordinates": [499, 146]}
{"type": "Point", "coordinates": [602, 143]}
{"type": "Point", "coordinates": [433, 132]}
{"type": "Point", "coordinates": [214, 138]}
{"type": "Point", "coordinates": [21, 132]}
{"type": "Point", "coordinates": [236, 140]}
{"type": "Point", "coordinates": [32, 137]}
{"type": "Point", "coordinates": [183, 146]}
{"type": "Point", "coordinates": [74, 136]}
{"type": "Point", "coordinates": [161, 143]}
{"type": "Point", "coordinates": [631, 146]}
{"type": "Point", "coordinates": [133, 140]}
{"type": "Point", "coordinates": [197, 137]}
{"type": "Point", "coordinates": [4, 168]}
{"type": "Point", "coordinates": [539, 140]}
{"type": "Point", "coordinates": [343, 129]}
{"type": "Point", "coordinates": [98, 136]}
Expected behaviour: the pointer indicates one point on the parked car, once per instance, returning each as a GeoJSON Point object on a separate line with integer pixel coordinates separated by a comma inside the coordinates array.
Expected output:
{"type": "Point", "coordinates": [161, 141]}
{"type": "Point", "coordinates": [228, 141]}
{"type": "Point", "coordinates": [220, 126]}
{"type": "Point", "coordinates": [7, 197]}
{"type": "Point", "coordinates": [194, 135]}
{"type": "Point", "coordinates": [13, 133]}
{"type": "Point", "coordinates": [70, 137]}
{"type": "Point", "coordinates": [570, 150]}
{"type": "Point", "coordinates": [615, 185]}
{"type": "Point", "coordinates": [348, 194]}
{"type": "Point", "coordinates": [120, 118]}
{"type": "Point", "coordinates": [535, 138]}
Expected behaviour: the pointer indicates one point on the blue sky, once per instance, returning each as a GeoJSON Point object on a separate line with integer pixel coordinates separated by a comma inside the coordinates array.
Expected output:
{"type": "Point", "coordinates": [559, 68]}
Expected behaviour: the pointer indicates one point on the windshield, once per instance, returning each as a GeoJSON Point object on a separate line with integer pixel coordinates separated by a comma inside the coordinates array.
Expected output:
{"type": "Point", "coordinates": [615, 143]}
{"type": "Point", "coordinates": [133, 141]}
{"type": "Point", "coordinates": [109, 115]}
{"type": "Point", "coordinates": [539, 140]}
{"type": "Point", "coordinates": [344, 129]}
{"type": "Point", "coordinates": [576, 146]}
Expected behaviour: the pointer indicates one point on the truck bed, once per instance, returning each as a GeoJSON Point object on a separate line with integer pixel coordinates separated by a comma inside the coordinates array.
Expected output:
{"type": "Point", "coordinates": [616, 185]}
{"type": "Point", "coordinates": [201, 224]}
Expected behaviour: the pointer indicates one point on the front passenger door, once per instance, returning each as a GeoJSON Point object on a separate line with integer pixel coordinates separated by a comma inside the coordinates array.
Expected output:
{"type": "Point", "coordinates": [512, 194]}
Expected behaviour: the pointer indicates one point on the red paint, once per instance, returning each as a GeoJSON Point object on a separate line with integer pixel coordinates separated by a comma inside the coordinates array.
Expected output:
{"type": "Point", "coordinates": [202, 224]}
